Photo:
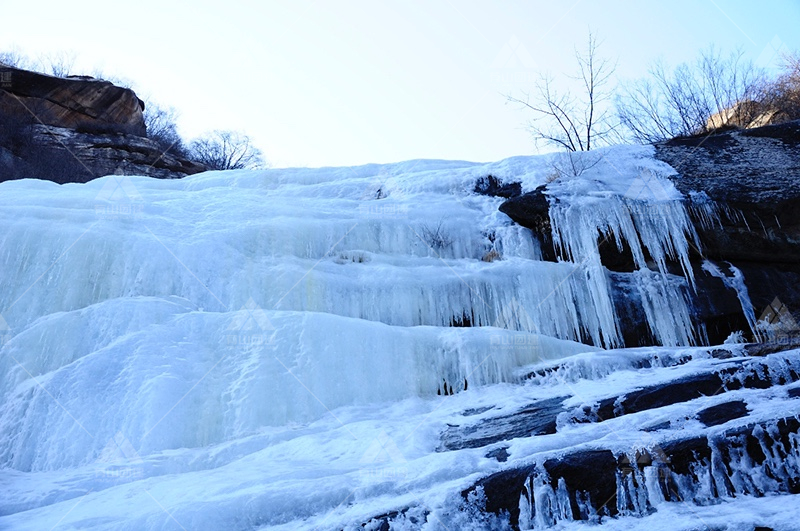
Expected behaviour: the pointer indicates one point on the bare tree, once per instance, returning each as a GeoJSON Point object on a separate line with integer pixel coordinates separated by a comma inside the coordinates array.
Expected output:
{"type": "Point", "coordinates": [161, 124]}
{"type": "Point", "coordinates": [574, 122]}
{"type": "Point", "coordinates": [695, 98]}
{"type": "Point", "coordinates": [782, 96]}
{"type": "Point", "coordinates": [14, 58]}
{"type": "Point", "coordinates": [226, 150]}
{"type": "Point", "coordinates": [59, 64]}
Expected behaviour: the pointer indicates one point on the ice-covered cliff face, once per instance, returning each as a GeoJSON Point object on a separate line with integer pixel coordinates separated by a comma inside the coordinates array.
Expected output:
{"type": "Point", "coordinates": [127, 291]}
{"type": "Point", "coordinates": [163, 318]}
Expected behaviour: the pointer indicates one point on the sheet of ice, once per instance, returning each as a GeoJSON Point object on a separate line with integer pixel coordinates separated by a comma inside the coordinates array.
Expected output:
{"type": "Point", "coordinates": [175, 378]}
{"type": "Point", "coordinates": [243, 350]}
{"type": "Point", "coordinates": [363, 461]}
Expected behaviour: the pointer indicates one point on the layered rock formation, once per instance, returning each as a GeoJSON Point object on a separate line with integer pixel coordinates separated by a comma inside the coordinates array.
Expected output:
{"type": "Point", "coordinates": [104, 154]}
{"type": "Point", "coordinates": [83, 103]}
{"type": "Point", "coordinates": [698, 427]}
{"type": "Point", "coordinates": [75, 129]}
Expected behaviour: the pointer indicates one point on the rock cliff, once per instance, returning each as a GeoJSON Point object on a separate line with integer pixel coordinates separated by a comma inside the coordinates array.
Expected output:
{"type": "Point", "coordinates": [75, 129]}
{"type": "Point", "coordinates": [79, 103]}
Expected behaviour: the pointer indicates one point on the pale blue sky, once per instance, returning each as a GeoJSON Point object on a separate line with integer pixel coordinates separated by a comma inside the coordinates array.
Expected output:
{"type": "Point", "coordinates": [350, 82]}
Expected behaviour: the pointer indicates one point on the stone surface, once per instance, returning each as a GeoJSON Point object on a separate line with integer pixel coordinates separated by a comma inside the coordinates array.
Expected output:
{"type": "Point", "coordinates": [722, 413]}
{"type": "Point", "coordinates": [754, 175]}
{"type": "Point", "coordinates": [105, 154]}
{"type": "Point", "coordinates": [74, 103]}
{"type": "Point", "coordinates": [538, 418]}
{"type": "Point", "coordinates": [532, 211]}
{"type": "Point", "coordinates": [76, 129]}
{"type": "Point", "coordinates": [752, 180]}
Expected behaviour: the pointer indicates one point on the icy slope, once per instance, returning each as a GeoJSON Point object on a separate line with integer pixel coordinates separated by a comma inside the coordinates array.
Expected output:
{"type": "Point", "coordinates": [237, 329]}
{"type": "Point", "coordinates": [389, 459]}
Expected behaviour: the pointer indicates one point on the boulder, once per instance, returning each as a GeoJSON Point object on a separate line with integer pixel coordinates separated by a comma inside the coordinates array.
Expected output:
{"type": "Point", "coordinates": [79, 103]}
{"type": "Point", "coordinates": [75, 129]}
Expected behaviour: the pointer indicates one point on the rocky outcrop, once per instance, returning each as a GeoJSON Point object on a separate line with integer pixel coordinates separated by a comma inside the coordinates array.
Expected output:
{"type": "Point", "coordinates": [110, 153]}
{"type": "Point", "coordinates": [76, 129]}
{"type": "Point", "coordinates": [750, 180]}
{"type": "Point", "coordinates": [746, 114]}
{"type": "Point", "coordinates": [696, 426]}
{"type": "Point", "coordinates": [83, 104]}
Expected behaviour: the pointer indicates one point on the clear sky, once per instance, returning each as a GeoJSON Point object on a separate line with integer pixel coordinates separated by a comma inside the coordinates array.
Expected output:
{"type": "Point", "coordinates": [350, 82]}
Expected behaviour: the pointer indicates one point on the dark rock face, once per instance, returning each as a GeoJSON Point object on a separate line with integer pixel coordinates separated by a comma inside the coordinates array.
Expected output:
{"type": "Point", "coordinates": [76, 129]}
{"type": "Point", "coordinates": [753, 176]}
{"type": "Point", "coordinates": [715, 415]}
{"type": "Point", "coordinates": [593, 483]}
{"type": "Point", "coordinates": [532, 211]}
{"type": "Point", "coordinates": [537, 419]}
{"type": "Point", "coordinates": [640, 446]}
{"type": "Point", "coordinates": [750, 180]}
{"type": "Point", "coordinates": [491, 186]}
{"type": "Point", "coordinates": [593, 471]}
{"type": "Point", "coordinates": [105, 154]}
{"type": "Point", "coordinates": [74, 103]}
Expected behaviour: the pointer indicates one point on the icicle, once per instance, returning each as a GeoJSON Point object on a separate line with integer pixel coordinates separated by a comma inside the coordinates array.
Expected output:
{"type": "Point", "coordinates": [661, 230]}
{"type": "Point", "coordinates": [544, 500]}
{"type": "Point", "coordinates": [526, 505]}
{"type": "Point", "coordinates": [563, 507]}
{"type": "Point", "coordinates": [585, 508]}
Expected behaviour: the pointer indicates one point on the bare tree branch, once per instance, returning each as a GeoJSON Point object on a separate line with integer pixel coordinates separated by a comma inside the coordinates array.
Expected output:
{"type": "Point", "coordinates": [692, 99]}
{"type": "Point", "coordinates": [226, 150]}
{"type": "Point", "coordinates": [574, 123]}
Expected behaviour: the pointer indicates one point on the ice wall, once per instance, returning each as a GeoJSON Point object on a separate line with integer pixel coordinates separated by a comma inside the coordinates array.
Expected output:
{"type": "Point", "coordinates": [172, 377]}
{"type": "Point", "coordinates": [201, 310]}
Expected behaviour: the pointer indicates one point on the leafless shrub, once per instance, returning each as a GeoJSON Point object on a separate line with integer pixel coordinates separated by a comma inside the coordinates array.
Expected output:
{"type": "Point", "coordinates": [435, 237]}
{"type": "Point", "coordinates": [572, 164]}
{"type": "Point", "coordinates": [695, 98]}
{"type": "Point", "coordinates": [161, 124]}
{"type": "Point", "coordinates": [226, 150]}
{"type": "Point", "coordinates": [491, 256]}
{"type": "Point", "coordinates": [569, 121]}
{"type": "Point", "coordinates": [14, 58]}
{"type": "Point", "coordinates": [782, 96]}
{"type": "Point", "coordinates": [59, 64]}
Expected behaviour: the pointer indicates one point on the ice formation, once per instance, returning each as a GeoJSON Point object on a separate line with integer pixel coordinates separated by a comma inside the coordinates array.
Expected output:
{"type": "Point", "coordinates": [240, 337]}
